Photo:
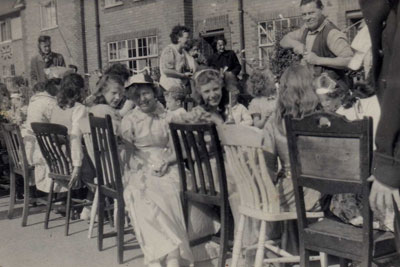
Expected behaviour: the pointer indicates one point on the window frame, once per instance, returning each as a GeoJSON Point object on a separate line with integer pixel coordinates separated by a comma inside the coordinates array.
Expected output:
{"type": "Point", "coordinates": [270, 45]}
{"type": "Point", "coordinates": [6, 22]}
{"type": "Point", "coordinates": [115, 57]}
{"type": "Point", "coordinates": [44, 6]}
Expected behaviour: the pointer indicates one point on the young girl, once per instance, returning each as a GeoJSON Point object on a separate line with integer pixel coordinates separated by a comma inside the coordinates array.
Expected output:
{"type": "Point", "coordinates": [262, 86]}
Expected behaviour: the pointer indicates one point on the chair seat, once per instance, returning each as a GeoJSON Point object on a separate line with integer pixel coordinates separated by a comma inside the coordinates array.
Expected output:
{"type": "Point", "coordinates": [275, 216]}
{"type": "Point", "coordinates": [326, 233]}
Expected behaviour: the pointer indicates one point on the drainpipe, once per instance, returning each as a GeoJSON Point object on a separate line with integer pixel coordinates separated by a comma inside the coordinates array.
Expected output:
{"type": "Point", "coordinates": [99, 61]}
{"type": "Point", "coordinates": [241, 30]}
{"type": "Point", "coordinates": [85, 60]}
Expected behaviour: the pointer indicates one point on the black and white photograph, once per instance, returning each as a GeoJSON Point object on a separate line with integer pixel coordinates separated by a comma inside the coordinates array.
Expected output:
{"type": "Point", "coordinates": [200, 133]}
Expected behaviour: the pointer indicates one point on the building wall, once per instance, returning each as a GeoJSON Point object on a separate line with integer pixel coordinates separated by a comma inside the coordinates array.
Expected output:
{"type": "Point", "coordinates": [66, 38]}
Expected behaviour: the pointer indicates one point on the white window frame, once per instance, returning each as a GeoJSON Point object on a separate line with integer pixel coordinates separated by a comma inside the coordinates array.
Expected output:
{"type": "Point", "coordinates": [114, 3]}
{"type": "Point", "coordinates": [6, 22]}
{"type": "Point", "coordinates": [43, 7]}
{"type": "Point", "coordinates": [270, 35]}
{"type": "Point", "coordinates": [123, 56]}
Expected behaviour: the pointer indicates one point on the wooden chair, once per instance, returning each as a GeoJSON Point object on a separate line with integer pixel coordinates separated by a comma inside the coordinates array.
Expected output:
{"type": "Point", "coordinates": [53, 140]}
{"type": "Point", "coordinates": [333, 155]}
{"type": "Point", "coordinates": [18, 165]}
{"type": "Point", "coordinates": [201, 145]}
{"type": "Point", "coordinates": [259, 198]}
{"type": "Point", "coordinates": [109, 179]}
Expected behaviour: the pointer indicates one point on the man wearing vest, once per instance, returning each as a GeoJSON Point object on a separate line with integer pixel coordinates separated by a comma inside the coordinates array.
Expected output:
{"type": "Point", "coordinates": [321, 43]}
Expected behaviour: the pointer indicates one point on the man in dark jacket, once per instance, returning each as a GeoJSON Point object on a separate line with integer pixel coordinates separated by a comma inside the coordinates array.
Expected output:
{"type": "Point", "coordinates": [224, 59]}
{"type": "Point", "coordinates": [44, 60]}
{"type": "Point", "coordinates": [320, 42]}
{"type": "Point", "coordinates": [383, 20]}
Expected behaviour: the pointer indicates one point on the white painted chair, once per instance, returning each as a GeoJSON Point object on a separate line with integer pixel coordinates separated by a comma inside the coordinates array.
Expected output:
{"type": "Point", "coordinates": [259, 199]}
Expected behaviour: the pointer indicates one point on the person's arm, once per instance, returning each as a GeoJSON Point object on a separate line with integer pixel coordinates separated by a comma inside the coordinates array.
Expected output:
{"type": "Point", "coordinates": [168, 64]}
{"type": "Point", "coordinates": [34, 74]}
{"type": "Point", "coordinates": [339, 46]}
{"type": "Point", "coordinates": [78, 113]}
{"type": "Point", "coordinates": [235, 64]}
{"type": "Point", "coordinates": [293, 40]}
{"type": "Point", "coordinates": [62, 61]}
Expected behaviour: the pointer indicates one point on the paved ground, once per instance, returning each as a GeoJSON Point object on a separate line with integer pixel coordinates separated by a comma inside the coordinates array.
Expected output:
{"type": "Point", "coordinates": [33, 246]}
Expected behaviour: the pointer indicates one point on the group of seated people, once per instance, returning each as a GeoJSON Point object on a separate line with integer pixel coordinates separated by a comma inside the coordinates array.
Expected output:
{"type": "Point", "coordinates": [150, 173]}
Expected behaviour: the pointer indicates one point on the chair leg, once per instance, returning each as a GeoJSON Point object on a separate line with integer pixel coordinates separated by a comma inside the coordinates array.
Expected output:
{"type": "Point", "coordinates": [25, 211]}
{"type": "Point", "coordinates": [223, 238]}
{"type": "Point", "coordinates": [12, 195]}
{"type": "Point", "coordinates": [49, 203]}
{"type": "Point", "coordinates": [100, 224]}
{"type": "Point", "coordinates": [93, 213]}
{"type": "Point", "coordinates": [120, 222]}
{"type": "Point", "coordinates": [237, 246]}
{"type": "Point", "coordinates": [68, 212]}
{"type": "Point", "coordinates": [304, 256]}
{"type": "Point", "coordinates": [260, 247]}
{"type": "Point", "coordinates": [324, 259]}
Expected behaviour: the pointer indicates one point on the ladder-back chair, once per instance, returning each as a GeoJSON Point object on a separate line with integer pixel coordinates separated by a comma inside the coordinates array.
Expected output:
{"type": "Point", "coordinates": [53, 140]}
{"type": "Point", "coordinates": [333, 155]}
{"type": "Point", "coordinates": [259, 198]}
{"type": "Point", "coordinates": [18, 165]}
{"type": "Point", "coordinates": [198, 146]}
{"type": "Point", "coordinates": [109, 178]}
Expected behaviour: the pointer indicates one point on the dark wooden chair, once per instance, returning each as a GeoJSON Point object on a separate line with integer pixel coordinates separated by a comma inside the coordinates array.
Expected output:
{"type": "Point", "coordinates": [53, 140]}
{"type": "Point", "coordinates": [18, 166]}
{"type": "Point", "coordinates": [197, 145]}
{"type": "Point", "coordinates": [333, 155]}
{"type": "Point", "coordinates": [109, 179]}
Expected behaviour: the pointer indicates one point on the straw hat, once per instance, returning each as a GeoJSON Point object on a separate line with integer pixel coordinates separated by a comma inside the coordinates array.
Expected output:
{"type": "Point", "coordinates": [140, 78]}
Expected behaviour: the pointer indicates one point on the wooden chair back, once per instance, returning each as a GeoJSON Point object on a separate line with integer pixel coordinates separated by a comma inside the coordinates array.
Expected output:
{"type": "Point", "coordinates": [197, 145]}
{"type": "Point", "coordinates": [53, 140]}
{"type": "Point", "coordinates": [15, 148]}
{"type": "Point", "coordinates": [330, 154]}
{"type": "Point", "coordinates": [106, 158]}
{"type": "Point", "coordinates": [248, 161]}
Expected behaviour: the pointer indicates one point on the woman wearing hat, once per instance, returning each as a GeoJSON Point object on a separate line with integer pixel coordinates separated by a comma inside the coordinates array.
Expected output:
{"type": "Point", "coordinates": [151, 183]}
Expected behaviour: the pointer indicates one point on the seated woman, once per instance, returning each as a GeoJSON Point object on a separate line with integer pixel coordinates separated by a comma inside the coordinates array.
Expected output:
{"type": "Point", "coordinates": [297, 97]}
{"type": "Point", "coordinates": [151, 183]}
{"type": "Point", "coordinates": [40, 109]}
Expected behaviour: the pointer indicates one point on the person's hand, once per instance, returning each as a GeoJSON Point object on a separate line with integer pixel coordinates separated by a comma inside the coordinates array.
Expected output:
{"type": "Point", "coordinates": [160, 169]}
{"type": "Point", "coordinates": [299, 49]}
{"type": "Point", "coordinates": [311, 58]}
{"type": "Point", "coordinates": [380, 197]}
{"type": "Point", "coordinates": [188, 75]}
{"type": "Point", "coordinates": [74, 176]}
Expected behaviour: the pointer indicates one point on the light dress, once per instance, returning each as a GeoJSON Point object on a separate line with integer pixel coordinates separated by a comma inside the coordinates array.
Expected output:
{"type": "Point", "coordinates": [40, 109]}
{"type": "Point", "coordinates": [154, 202]}
{"type": "Point", "coordinates": [172, 59]}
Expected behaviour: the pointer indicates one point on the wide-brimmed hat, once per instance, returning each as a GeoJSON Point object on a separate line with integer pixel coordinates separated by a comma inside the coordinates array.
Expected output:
{"type": "Point", "coordinates": [140, 78]}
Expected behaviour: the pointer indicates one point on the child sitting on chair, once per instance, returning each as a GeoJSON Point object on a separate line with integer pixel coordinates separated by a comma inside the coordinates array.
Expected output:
{"type": "Point", "coordinates": [262, 86]}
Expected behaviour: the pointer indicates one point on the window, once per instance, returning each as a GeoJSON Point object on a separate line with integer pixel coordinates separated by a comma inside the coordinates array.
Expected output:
{"type": "Point", "coordinates": [5, 30]}
{"type": "Point", "coordinates": [136, 53]}
{"type": "Point", "coordinates": [111, 3]}
{"type": "Point", "coordinates": [48, 13]}
{"type": "Point", "coordinates": [8, 74]}
{"type": "Point", "coordinates": [271, 31]}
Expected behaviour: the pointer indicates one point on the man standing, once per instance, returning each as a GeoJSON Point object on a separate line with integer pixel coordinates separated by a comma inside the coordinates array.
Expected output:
{"type": "Point", "coordinates": [383, 20]}
{"type": "Point", "coordinates": [320, 43]}
{"type": "Point", "coordinates": [224, 59]}
{"type": "Point", "coordinates": [44, 60]}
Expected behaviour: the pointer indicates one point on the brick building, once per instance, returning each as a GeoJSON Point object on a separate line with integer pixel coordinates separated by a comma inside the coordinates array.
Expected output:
{"type": "Point", "coordinates": [134, 32]}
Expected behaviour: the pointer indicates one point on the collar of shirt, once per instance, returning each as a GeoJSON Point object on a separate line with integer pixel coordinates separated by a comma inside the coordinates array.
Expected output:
{"type": "Point", "coordinates": [320, 28]}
